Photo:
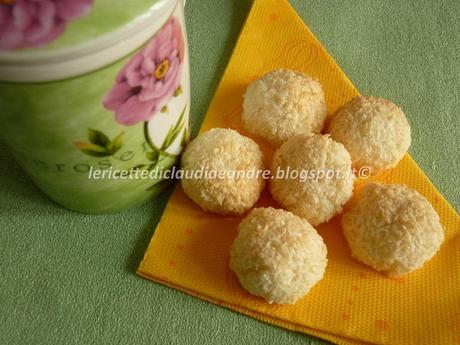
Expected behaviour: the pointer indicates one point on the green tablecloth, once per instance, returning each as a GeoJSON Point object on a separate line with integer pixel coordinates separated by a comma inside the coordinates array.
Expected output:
{"type": "Point", "coordinates": [67, 278]}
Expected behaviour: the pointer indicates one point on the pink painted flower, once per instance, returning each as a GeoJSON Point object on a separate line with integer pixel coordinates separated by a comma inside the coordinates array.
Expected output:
{"type": "Point", "coordinates": [32, 23]}
{"type": "Point", "coordinates": [150, 78]}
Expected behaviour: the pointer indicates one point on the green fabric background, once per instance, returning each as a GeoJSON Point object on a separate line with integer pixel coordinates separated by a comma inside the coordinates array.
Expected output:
{"type": "Point", "coordinates": [67, 278]}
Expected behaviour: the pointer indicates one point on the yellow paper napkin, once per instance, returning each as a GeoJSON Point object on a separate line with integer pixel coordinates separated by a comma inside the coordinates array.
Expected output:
{"type": "Point", "coordinates": [352, 304]}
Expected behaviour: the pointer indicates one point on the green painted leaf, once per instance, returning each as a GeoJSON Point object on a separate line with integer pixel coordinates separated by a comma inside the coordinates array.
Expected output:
{"type": "Point", "coordinates": [153, 156]}
{"type": "Point", "coordinates": [92, 149]}
{"type": "Point", "coordinates": [167, 138]}
{"type": "Point", "coordinates": [174, 131]}
{"type": "Point", "coordinates": [98, 138]}
{"type": "Point", "coordinates": [96, 154]}
{"type": "Point", "coordinates": [116, 143]}
{"type": "Point", "coordinates": [170, 137]}
{"type": "Point", "coordinates": [81, 145]}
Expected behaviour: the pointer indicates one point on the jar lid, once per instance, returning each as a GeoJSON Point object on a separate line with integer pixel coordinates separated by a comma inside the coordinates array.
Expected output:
{"type": "Point", "coordinates": [39, 33]}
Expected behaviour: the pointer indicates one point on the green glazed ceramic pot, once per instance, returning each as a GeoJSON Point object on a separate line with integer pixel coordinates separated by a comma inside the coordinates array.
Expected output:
{"type": "Point", "coordinates": [91, 91]}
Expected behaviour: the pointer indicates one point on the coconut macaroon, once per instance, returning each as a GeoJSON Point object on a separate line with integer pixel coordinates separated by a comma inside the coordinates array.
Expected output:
{"type": "Point", "coordinates": [374, 130]}
{"type": "Point", "coordinates": [283, 103]}
{"type": "Point", "coordinates": [277, 255]}
{"type": "Point", "coordinates": [312, 177]}
{"type": "Point", "coordinates": [392, 228]}
{"type": "Point", "coordinates": [221, 171]}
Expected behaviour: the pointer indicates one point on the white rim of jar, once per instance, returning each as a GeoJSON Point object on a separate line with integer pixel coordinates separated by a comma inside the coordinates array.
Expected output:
{"type": "Point", "coordinates": [64, 63]}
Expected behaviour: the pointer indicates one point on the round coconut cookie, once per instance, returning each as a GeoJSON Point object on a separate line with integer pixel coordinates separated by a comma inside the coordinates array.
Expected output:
{"type": "Point", "coordinates": [277, 255]}
{"type": "Point", "coordinates": [283, 103]}
{"type": "Point", "coordinates": [312, 177]}
{"type": "Point", "coordinates": [227, 160]}
{"type": "Point", "coordinates": [392, 228]}
{"type": "Point", "coordinates": [374, 130]}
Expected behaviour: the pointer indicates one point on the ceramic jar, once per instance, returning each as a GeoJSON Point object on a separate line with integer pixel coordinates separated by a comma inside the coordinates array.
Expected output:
{"type": "Point", "coordinates": [91, 90]}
